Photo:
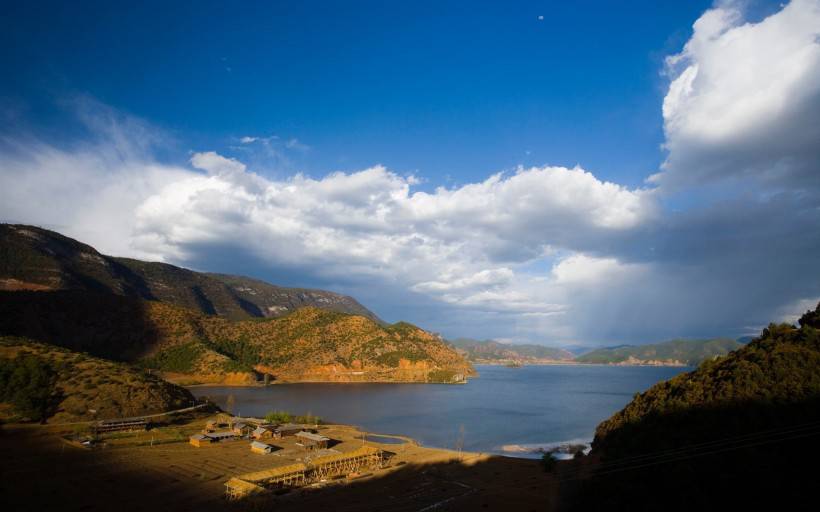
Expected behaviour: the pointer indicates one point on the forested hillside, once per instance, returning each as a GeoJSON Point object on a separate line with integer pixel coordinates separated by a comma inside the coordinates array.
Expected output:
{"type": "Point", "coordinates": [309, 344]}
{"type": "Point", "coordinates": [724, 434]}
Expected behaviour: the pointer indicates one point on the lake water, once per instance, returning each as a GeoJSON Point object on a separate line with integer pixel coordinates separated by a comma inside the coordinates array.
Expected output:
{"type": "Point", "coordinates": [532, 406]}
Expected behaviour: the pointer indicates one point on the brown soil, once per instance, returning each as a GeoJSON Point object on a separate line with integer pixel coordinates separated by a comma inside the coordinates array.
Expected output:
{"type": "Point", "coordinates": [41, 472]}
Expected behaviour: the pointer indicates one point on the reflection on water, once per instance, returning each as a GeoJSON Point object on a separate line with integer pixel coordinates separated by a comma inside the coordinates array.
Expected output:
{"type": "Point", "coordinates": [529, 406]}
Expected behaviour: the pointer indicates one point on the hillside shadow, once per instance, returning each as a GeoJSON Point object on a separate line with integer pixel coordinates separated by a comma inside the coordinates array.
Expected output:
{"type": "Point", "coordinates": [101, 324]}
{"type": "Point", "coordinates": [742, 454]}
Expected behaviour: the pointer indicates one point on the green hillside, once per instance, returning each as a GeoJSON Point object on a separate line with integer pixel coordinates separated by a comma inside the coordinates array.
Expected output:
{"type": "Point", "coordinates": [683, 352]}
{"type": "Point", "coordinates": [307, 344]}
{"type": "Point", "coordinates": [43, 382]}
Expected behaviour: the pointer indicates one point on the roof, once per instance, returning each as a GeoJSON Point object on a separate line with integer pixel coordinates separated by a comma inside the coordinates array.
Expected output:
{"type": "Point", "coordinates": [358, 452]}
{"type": "Point", "coordinates": [220, 435]}
{"type": "Point", "coordinates": [267, 474]}
{"type": "Point", "coordinates": [312, 436]}
{"type": "Point", "coordinates": [263, 446]}
{"type": "Point", "coordinates": [199, 437]}
{"type": "Point", "coordinates": [117, 421]}
{"type": "Point", "coordinates": [260, 430]}
{"type": "Point", "coordinates": [241, 485]}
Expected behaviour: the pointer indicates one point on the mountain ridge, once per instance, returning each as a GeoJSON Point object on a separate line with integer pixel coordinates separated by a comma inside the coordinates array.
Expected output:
{"type": "Point", "coordinates": [494, 352]}
{"type": "Point", "coordinates": [33, 258]}
{"type": "Point", "coordinates": [309, 344]}
{"type": "Point", "coordinates": [676, 352]}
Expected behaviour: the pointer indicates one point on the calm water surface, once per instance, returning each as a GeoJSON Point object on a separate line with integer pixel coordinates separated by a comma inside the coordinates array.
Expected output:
{"type": "Point", "coordinates": [530, 406]}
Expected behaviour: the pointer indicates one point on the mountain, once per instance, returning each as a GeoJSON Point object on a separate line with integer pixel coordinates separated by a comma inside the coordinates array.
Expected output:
{"type": "Point", "coordinates": [671, 353]}
{"type": "Point", "coordinates": [309, 344]}
{"type": "Point", "coordinates": [33, 258]}
{"type": "Point", "coordinates": [494, 352]}
{"type": "Point", "coordinates": [725, 435]}
{"type": "Point", "coordinates": [44, 382]}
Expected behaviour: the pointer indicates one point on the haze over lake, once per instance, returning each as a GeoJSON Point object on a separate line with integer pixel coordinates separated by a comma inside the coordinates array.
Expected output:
{"type": "Point", "coordinates": [532, 405]}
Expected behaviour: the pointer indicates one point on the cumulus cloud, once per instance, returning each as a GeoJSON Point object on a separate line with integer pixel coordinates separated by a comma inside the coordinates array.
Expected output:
{"type": "Point", "coordinates": [448, 244]}
{"type": "Point", "coordinates": [744, 98]}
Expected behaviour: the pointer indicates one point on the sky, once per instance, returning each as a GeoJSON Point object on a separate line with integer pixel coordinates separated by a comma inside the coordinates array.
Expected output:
{"type": "Point", "coordinates": [586, 173]}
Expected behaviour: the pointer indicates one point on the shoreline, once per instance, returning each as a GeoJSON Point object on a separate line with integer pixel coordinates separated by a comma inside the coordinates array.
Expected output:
{"type": "Point", "coordinates": [577, 363]}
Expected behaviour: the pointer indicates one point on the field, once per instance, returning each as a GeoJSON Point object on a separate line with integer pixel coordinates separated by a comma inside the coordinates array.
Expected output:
{"type": "Point", "coordinates": [42, 472]}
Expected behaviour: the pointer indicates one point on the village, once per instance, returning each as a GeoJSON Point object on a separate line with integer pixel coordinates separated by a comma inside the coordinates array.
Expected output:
{"type": "Point", "coordinates": [304, 455]}
{"type": "Point", "coordinates": [210, 460]}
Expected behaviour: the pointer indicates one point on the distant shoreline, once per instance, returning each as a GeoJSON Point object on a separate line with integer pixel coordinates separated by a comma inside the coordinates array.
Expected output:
{"type": "Point", "coordinates": [576, 363]}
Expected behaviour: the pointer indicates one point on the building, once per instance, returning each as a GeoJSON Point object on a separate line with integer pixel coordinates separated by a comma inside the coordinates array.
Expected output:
{"type": "Point", "coordinates": [311, 441]}
{"type": "Point", "coordinates": [242, 428]}
{"type": "Point", "coordinates": [226, 435]}
{"type": "Point", "coordinates": [264, 432]}
{"type": "Point", "coordinates": [200, 440]}
{"type": "Point", "coordinates": [236, 488]}
{"type": "Point", "coordinates": [287, 429]}
{"type": "Point", "coordinates": [120, 425]}
{"type": "Point", "coordinates": [257, 447]}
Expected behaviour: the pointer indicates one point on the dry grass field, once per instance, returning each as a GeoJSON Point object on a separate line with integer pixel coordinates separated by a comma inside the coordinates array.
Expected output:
{"type": "Point", "coordinates": [41, 472]}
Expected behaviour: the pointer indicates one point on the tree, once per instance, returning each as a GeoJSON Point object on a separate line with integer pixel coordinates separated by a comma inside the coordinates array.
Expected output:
{"type": "Point", "coordinates": [548, 462]}
{"type": "Point", "coordinates": [28, 383]}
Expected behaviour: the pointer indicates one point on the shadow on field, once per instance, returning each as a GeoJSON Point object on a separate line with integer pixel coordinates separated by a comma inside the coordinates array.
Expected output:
{"type": "Point", "coordinates": [41, 474]}
{"type": "Point", "coordinates": [749, 454]}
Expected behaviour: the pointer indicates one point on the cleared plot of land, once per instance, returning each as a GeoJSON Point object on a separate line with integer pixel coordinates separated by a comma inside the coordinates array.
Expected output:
{"type": "Point", "coordinates": [41, 473]}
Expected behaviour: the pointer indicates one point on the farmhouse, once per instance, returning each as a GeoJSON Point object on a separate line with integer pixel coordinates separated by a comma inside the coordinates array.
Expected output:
{"type": "Point", "coordinates": [311, 441]}
{"type": "Point", "coordinates": [287, 429]}
{"type": "Point", "coordinates": [242, 428]}
{"type": "Point", "coordinates": [257, 447]}
{"type": "Point", "coordinates": [264, 432]}
{"type": "Point", "coordinates": [199, 440]}
{"type": "Point", "coordinates": [227, 435]}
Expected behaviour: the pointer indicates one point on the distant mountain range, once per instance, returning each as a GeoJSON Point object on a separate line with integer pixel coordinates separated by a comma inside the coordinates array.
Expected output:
{"type": "Point", "coordinates": [489, 351]}
{"type": "Point", "coordinates": [667, 353]}
{"type": "Point", "coordinates": [203, 328]}
{"type": "Point", "coordinates": [33, 258]}
{"type": "Point", "coordinates": [673, 352]}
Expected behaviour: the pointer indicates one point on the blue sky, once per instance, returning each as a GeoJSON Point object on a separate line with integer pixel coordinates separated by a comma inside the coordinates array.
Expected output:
{"type": "Point", "coordinates": [655, 155]}
{"type": "Point", "coordinates": [418, 87]}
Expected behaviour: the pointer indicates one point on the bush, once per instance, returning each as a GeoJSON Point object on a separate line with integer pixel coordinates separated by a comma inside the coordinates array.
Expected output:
{"type": "Point", "coordinates": [548, 462]}
{"type": "Point", "coordinates": [278, 417]}
{"type": "Point", "coordinates": [28, 383]}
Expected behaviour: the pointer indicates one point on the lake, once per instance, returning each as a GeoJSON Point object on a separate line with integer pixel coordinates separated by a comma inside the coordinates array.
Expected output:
{"type": "Point", "coordinates": [509, 411]}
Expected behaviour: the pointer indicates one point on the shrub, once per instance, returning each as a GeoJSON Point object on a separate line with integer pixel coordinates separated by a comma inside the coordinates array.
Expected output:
{"type": "Point", "coordinates": [28, 383]}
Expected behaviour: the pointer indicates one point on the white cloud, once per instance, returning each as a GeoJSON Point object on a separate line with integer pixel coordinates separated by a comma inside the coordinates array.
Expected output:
{"type": "Point", "coordinates": [216, 164]}
{"type": "Point", "coordinates": [580, 268]}
{"type": "Point", "coordinates": [745, 97]}
{"type": "Point", "coordinates": [460, 246]}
